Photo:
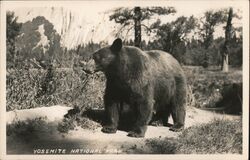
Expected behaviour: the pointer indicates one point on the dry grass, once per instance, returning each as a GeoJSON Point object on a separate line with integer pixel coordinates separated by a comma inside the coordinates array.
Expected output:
{"type": "Point", "coordinates": [217, 137]}
{"type": "Point", "coordinates": [36, 88]}
{"type": "Point", "coordinates": [220, 136]}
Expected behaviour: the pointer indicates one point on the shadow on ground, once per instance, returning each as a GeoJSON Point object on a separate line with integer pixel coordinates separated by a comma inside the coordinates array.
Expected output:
{"type": "Point", "coordinates": [126, 120]}
{"type": "Point", "coordinates": [37, 135]}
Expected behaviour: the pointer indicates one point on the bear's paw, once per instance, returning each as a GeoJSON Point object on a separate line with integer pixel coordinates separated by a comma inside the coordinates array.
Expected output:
{"type": "Point", "coordinates": [109, 129]}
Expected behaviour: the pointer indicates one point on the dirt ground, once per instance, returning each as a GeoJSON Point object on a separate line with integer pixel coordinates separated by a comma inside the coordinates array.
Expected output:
{"type": "Point", "coordinates": [83, 141]}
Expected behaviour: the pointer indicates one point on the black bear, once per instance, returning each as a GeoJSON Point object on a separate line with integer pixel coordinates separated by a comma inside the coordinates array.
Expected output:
{"type": "Point", "coordinates": [150, 82]}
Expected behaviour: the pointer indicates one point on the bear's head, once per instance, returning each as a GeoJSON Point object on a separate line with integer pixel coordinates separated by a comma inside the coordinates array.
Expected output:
{"type": "Point", "coordinates": [104, 57]}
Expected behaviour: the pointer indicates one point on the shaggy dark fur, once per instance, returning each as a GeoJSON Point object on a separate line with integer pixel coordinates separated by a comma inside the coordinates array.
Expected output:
{"type": "Point", "coordinates": [148, 82]}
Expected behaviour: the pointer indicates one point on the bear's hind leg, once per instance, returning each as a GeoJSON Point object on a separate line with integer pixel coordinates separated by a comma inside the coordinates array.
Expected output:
{"type": "Point", "coordinates": [178, 115]}
{"type": "Point", "coordinates": [178, 107]}
{"type": "Point", "coordinates": [165, 116]}
{"type": "Point", "coordinates": [156, 119]}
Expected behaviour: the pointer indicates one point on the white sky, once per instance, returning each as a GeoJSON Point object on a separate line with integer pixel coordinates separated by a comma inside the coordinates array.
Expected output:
{"type": "Point", "coordinates": [187, 7]}
{"type": "Point", "coordinates": [92, 11]}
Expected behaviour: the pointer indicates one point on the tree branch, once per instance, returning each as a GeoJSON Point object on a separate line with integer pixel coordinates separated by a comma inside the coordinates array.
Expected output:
{"type": "Point", "coordinates": [120, 30]}
{"type": "Point", "coordinates": [147, 28]}
{"type": "Point", "coordinates": [128, 31]}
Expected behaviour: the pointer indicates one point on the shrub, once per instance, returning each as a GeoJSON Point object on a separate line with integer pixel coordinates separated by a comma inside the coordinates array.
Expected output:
{"type": "Point", "coordinates": [30, 88]}
{"type": "Point", "coordinates": [206, 88]}
{"type": "Point", "coordinates": [75, 118]}
{"type": "Point", "coordinates": [28, 130]}
{"type": "Point", "coordinates": [162, 146]}
{"type": "Point", "coordinates": [232, 98]}
{"type": "Point", "coordinates": [219, 136]}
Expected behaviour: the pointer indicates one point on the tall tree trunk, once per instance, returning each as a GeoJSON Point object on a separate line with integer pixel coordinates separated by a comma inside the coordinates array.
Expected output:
{"type": "Point", "coordinates": [137, 20]}
{"type": "Point", "coordinates": [228, 35]}
{"type": "Point", "coordinates": [225, 63]}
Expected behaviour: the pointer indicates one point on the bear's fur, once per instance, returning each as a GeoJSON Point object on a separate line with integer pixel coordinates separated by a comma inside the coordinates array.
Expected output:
{"type": "Point", "coordinates": [150, 82]}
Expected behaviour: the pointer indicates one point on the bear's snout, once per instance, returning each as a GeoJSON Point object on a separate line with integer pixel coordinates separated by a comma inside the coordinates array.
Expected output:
{"type": "Point", "coordinates": [90, 67]}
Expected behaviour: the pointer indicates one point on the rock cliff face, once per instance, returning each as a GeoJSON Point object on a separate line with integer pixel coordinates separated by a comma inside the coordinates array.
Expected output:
{"type": "Point", "coordinates": [38, 39]}
{"type": "Point", "coordinates": [74, 27]}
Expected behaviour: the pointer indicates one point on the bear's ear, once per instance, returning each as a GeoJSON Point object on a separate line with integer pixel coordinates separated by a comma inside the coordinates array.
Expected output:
{"type": "Point", "coordinates": [117, 45]}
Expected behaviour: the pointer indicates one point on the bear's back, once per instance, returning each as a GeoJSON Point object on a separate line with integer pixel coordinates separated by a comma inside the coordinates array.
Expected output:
{"type": "Point", "coordinates": [156, 61]}
{"type": "Point", "coordinates": [164, 60]}
{"type": "Point", "coordinates": [155, 55]}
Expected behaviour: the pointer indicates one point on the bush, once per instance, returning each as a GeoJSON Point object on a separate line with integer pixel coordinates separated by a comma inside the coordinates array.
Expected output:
{"type": "Point", "coordinates": [29, 130]}
{"type": "Point", "coordinates": [30, 88]}
{"type": "Point", "coordinates": [232, 98]}
{"type": "Point", "coordinates": [219, 136]}
{"type": "Point", "coordinates": [162, 146]}
{"type": "Point", "coordinates": [206, 88]}
{"type": "Point", "coordinates": [75, 118]}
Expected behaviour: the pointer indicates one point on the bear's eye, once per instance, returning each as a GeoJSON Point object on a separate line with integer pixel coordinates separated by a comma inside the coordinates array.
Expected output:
{"type": "Point", "coordinates": [102, 57]}
{"type": "Point", "coordinates": [96, 57]}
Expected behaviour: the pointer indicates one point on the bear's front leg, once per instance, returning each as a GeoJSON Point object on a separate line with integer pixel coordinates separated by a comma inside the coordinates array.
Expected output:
{"type": "Point", "coordinates": [112, 118]}
{"type": "Point", "coordinates": [143, 109]}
